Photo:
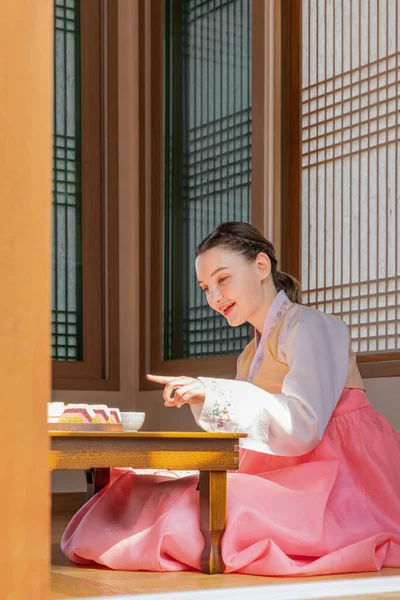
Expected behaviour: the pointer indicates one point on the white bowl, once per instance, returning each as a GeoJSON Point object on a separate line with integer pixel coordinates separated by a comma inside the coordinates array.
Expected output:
{"type": "Point", "coordinates": [54, 410]}
{"type": "Point", "coordinates": [132, 421]}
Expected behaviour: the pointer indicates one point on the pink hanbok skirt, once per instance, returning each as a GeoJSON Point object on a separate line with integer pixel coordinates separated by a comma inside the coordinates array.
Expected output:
{"type": "Point", "coordinates": [333, 510]}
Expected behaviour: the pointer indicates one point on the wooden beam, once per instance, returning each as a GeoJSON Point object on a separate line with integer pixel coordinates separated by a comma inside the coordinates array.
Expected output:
{"type": "Point", "coordinates": [26, 88]}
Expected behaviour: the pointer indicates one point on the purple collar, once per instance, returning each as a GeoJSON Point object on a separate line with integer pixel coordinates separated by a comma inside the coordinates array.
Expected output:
{"type": "Point", "coordinates": [277, 309]}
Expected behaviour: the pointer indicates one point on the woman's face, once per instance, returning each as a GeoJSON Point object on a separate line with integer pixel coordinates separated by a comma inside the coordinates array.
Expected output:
{"type": "Point", "coordinates": [232, 284]}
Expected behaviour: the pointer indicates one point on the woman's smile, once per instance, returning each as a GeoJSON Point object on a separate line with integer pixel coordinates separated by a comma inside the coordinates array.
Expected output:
{"type": "Point", "coordinates": [228, 309]}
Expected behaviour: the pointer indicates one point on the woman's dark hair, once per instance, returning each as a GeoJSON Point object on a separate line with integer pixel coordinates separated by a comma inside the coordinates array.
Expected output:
{"type": "Point", "coordinates": [248, 241]}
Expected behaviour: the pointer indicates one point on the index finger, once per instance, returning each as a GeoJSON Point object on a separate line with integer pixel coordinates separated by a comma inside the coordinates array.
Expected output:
{"type": "Point", "coordinates": [160, 378]}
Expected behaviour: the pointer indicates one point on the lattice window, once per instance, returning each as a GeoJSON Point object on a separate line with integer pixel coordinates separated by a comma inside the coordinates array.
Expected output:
{"type": "Point", "coordinates": [67, 262]}
{"type": "Point", "coordinates": [207, 160]}
{"type": "Point", "coordinates": [350, 197]}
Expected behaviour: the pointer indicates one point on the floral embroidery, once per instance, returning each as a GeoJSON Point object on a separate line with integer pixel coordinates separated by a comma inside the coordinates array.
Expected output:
{"type": "Point", "coordinates": [219, 414]}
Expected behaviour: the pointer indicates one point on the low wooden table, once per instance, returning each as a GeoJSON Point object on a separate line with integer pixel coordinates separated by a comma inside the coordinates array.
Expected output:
{"type": "Point", "coordinates": [213, 454]}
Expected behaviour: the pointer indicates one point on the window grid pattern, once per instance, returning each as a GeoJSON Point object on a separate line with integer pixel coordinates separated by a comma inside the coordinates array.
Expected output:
{"type": "Point", "coordinates": [215, 157]}
{"type": "Point", "coordinates": [350, 166]}
{"type": "Point", "coordinates": [67, 266]}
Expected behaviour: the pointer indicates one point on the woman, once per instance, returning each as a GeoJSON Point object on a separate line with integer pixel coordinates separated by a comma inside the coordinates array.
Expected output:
{"type": "Point", "coordinates": [318, 486]}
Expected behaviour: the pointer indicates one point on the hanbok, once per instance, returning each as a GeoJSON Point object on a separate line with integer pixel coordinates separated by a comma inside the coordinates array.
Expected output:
{"type": "Point", "coordinates": [318, 486]}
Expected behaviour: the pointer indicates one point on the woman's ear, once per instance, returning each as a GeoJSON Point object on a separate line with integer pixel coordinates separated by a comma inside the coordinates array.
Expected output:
{"type": "Point", "coordinates": [263, 265]}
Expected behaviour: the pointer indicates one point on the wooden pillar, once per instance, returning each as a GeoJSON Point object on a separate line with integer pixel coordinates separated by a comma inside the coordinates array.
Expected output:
{"type": "Point", "coordinates": [26, 82]}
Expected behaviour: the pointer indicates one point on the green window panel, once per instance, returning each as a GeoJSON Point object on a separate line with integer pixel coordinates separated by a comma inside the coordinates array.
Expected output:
{"type": "Point", "coordinates": [207, 160]}
{"type": "Point", "coordinates": [67, 232]}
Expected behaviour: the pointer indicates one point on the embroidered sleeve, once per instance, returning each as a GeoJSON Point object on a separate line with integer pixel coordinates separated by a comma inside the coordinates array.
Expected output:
{"type": "Point", "coordinates": [216, 414]}
{"type": "Point", "coordinates": [234, 406]}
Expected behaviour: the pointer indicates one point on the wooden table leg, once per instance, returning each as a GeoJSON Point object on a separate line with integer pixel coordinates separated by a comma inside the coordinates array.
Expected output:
{"type": "Point", "coordinates": [96, 479]}
{"type": "Point", "coordinates": [212, 518]}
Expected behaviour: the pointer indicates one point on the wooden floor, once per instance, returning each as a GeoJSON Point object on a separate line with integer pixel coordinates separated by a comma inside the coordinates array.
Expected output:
{"type": "Point", "coordinates": [72, 581]}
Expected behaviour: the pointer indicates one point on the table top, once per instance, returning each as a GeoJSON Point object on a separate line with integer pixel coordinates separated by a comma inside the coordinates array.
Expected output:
{"type": "Point", "coordinates": [148, 434]}
{"type": "Point", "coordinates": [176, 450]}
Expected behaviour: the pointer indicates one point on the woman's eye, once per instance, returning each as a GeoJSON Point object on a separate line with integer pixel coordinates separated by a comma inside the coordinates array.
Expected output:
{"type": "Point", "coordinates": [223, 279]}
{"type": "Point", "coordinates": [205, 290]}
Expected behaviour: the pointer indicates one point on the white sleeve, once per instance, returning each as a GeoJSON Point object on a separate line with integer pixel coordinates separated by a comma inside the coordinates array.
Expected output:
{"type": "Point", "coordinates": [316, 349]}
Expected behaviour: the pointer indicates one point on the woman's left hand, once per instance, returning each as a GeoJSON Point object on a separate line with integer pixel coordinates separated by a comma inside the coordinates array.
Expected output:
{"type": "Point", "coordinates": [180, 390]}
